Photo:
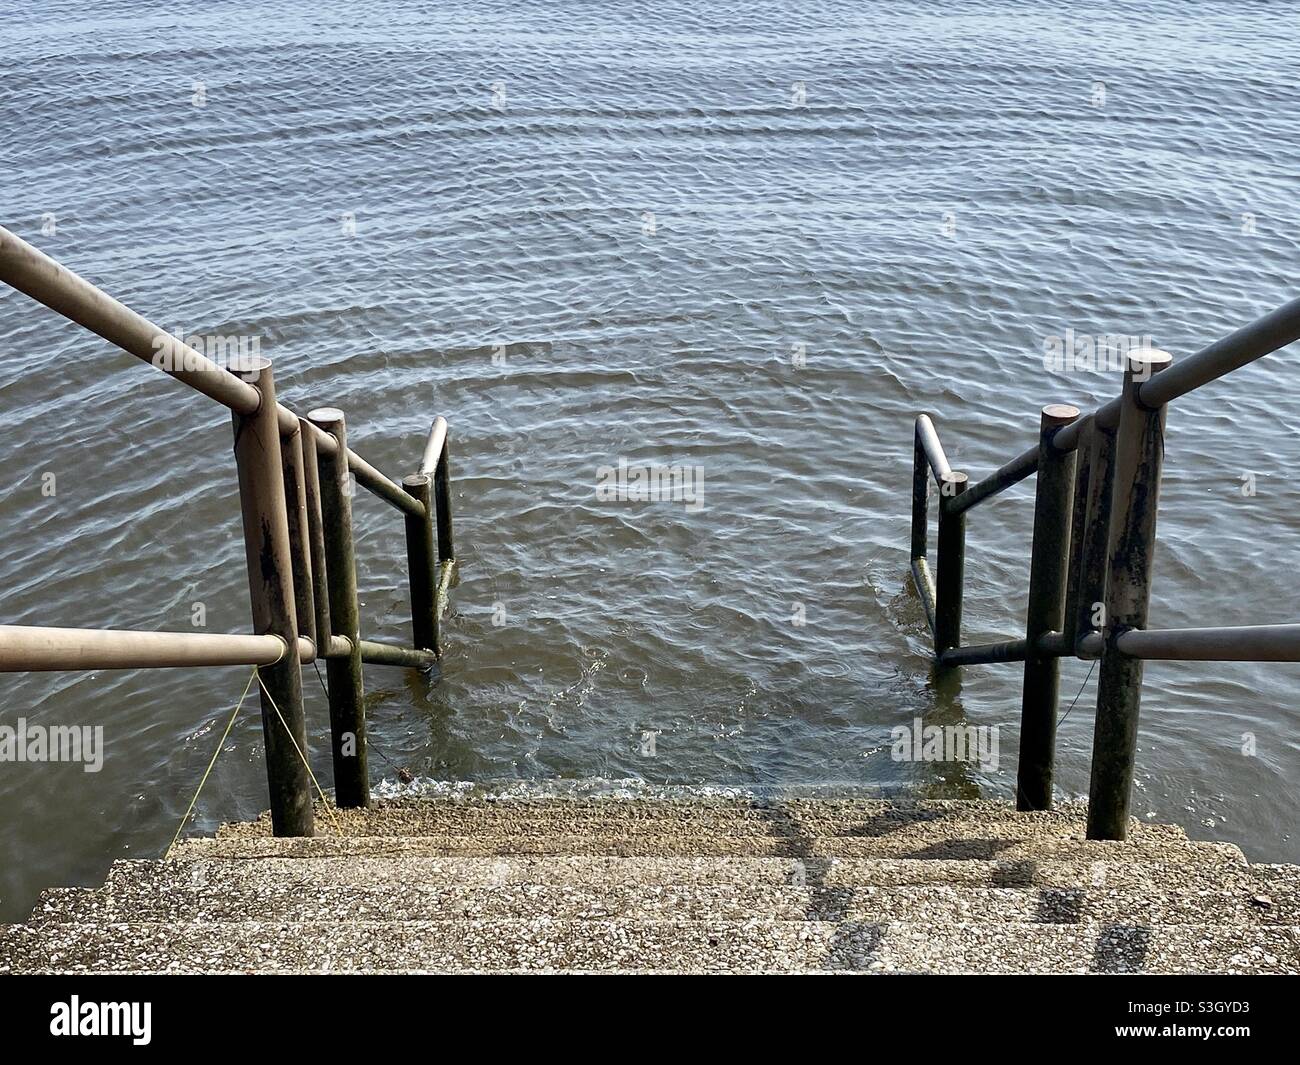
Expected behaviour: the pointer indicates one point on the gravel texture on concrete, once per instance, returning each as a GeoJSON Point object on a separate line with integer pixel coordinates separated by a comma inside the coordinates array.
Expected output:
{"type": "Point", "coordinates": [722, 884]}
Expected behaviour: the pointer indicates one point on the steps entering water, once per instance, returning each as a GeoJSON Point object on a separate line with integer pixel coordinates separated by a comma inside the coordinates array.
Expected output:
{"type": "Point", "coordinates": [699, 882]}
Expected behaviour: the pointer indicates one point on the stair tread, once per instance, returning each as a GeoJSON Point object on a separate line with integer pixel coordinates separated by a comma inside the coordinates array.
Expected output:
{"type": "Point", "coordinates": [946, 844]}
{"type": "Point", "coordinates": [793, 818]}
{"type": "Point", "coordinates": [699, 883]}
{"type": "Point", "coordinates": [605, 945]}
{"type": "Point", "coordinates": [1247, 903]}
{"type": "Point", "coordinates": [310, 873]}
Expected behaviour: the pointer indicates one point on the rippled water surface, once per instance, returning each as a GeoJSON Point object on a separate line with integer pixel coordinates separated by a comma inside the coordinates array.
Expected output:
{"type": "Point", "coordinates": [754, 238]}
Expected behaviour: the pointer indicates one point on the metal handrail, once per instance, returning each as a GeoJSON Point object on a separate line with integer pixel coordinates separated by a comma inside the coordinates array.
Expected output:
{"type": "Point", "coordinates": [1251, 342]}
{"type": "Point", "coordinates": [295, 498]}
{"type": "Point", "coordinates": [33, 272]}
{"type": "Point", "coordinates": [1090, 565]}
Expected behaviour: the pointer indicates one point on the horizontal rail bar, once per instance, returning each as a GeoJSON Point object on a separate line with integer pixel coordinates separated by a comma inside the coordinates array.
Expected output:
{"type": "Point", "coordinates": [44, 649]}
{"type": "Point", "coordinates": [385, 654]}
{"type": "Point", "coordinates": [377, 484]}
{"type": "Point", "coordinates": [31, 271]}
{"type": "Point", "coordinates": [984, 653]}
{"type": "Point", "coordinates": [1058, 645]}
{"type": "Point", "coordinates": [1247, 643]}
{"type": "Point", "coordinates": [433, 447]}
{"type": "Point", "coordinates": [929, 438]}
{"type": "Point", "coordinates": [376, 653]}
{"type": "Point", "coordinates": [34, 649]}
{"type": "Point", "coordinates": [1013, 472]}
{"type": "Point", "coordinates": [1251, 342]}
{"type": "Point", "coordinates": [1261, 337]}
{"type": "Point", "coordinates": [1052, 644]}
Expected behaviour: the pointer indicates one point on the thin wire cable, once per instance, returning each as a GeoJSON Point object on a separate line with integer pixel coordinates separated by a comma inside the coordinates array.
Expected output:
{"type": "Point", "coordinates": [306, 765]}
{"type": "Point", "coordinates": [215, 754]}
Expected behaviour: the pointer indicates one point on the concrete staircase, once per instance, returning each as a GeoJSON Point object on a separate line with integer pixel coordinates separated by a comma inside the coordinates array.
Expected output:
{"type": "Point", "coordinates": [698, 882]}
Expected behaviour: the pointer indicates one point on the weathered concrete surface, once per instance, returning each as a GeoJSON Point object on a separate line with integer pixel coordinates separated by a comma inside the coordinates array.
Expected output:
{"type": "Point", "coordinates": [789, 818]}
{"type": "Point", "coordinates": [717, 885]}
{"type": "Point", "coordinates": [955, 842]}
{"type": "Point", "coordinates": [1248, 904]}
{"type": "Point", "coordinates": [612, 945]}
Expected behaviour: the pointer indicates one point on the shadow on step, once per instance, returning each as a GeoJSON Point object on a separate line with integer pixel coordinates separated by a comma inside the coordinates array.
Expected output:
{"type": "Point", "coordinates": [1121, 949]}
{"type": "Point", "coordinates": [855, 944]}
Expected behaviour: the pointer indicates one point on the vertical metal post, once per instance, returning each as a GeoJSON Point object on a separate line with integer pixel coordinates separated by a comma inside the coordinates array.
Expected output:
{"type": "Point", "coordinates": [422, 566]}
{"type": "Point", "coordinates": [1139, 458]}
{"type": "Point", "coordinates": [951, 566]}
{"type": "Point", "coordinates": [1094, 556]}
{"type": "Point", "coordinates": [1078, 524]}
{"type": "Point", "coordinates": [920, 497]}
{"type": "Point", "coordinates": [346, 691]}
{"type": "Point", "coordinates": [442, 493]}
{"type": "Point", "coordinates": [295, 495]}
{"type": "Point", "coordinates": [315, 534]}
{"type": "Point", "coordinates": [270, 588]}
{"type": "Point", "coordinates": [1047, 577]}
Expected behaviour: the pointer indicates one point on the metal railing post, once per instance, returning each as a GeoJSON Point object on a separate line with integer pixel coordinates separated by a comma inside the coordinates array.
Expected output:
{"type": "Point", "coordinates": [920, 498]}
{"type": "Point", "coordinates": [1047, 577]}
{"type": "Point", "coordinates": [316, 536]}
{"type": "Point", "coordinates": [295, 495]}
{"type": "Point", "coordinates": [1078, 526]}
{"type": "Point", "coordinates": [1138, 461]}
{"type": "Point", "coordinates": [346, 691]}
{"type": "Point", "coordinates": [442, 493]}
{"type": "Point", "coordinates": [422, 566]}
{"type": "Point", "coordinates": [1094, 550]}
{"type": "Point", "coordinates": [920, 526]}
{"type": "Point", "coordinates": [270, 586]}
{"type": "Point", "coordinates": [950, 566]}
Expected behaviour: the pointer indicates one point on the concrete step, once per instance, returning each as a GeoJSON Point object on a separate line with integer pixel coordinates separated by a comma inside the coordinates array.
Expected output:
{"type": "Point", "coordinates": [603, 872]}
{"type": "Point", "coordinates": [918, 842]}
{"type": "Point", "coordinates": [793, 818]}
{"type": "Point", "coordinates": [613, 945]}
{"type": "Point", "coordinates": [935, 904]}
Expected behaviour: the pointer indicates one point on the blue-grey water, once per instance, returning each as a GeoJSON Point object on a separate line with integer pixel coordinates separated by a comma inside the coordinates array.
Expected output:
{"type": "Point", "coordinates": [754, 238]}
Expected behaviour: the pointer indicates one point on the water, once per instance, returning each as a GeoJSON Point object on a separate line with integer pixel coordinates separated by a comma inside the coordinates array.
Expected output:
{"type": "Point", "coordinates": [645, 226]}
